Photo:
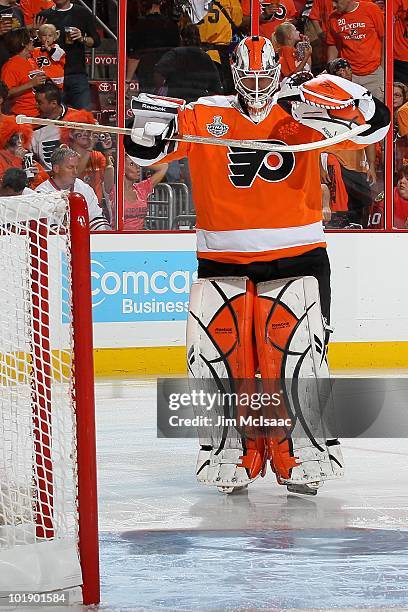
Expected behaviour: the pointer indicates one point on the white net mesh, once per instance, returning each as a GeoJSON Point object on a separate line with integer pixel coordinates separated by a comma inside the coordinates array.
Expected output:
{"type": "Point", "coordinates": [37, 408]}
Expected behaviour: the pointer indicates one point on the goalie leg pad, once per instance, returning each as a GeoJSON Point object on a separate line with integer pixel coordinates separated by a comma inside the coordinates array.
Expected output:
{"type": "Point", "coordinates": [219, 329]}
{"type": "Point", "coordinates": [220, 349]}
{"type": "Point", "coordinates": [290, 338]}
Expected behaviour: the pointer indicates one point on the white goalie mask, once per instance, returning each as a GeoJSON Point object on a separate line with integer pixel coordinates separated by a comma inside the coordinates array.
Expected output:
{"type": "Point", "coordinates": [256, 70]}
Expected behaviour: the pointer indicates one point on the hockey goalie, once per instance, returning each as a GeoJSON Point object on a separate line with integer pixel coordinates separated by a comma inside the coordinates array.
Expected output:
{"type": "Point", "coordinates": [262, 299]}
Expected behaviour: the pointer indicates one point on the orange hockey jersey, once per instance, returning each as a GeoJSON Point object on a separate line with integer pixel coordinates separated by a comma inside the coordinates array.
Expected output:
{"type": "Point", "coordinates": [251, 205]}
{"type": "Point", "coordinates": [52, 63]}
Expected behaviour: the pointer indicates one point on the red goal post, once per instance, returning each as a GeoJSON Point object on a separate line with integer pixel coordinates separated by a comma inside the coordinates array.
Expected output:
{"type": "Point", "coordinates": [48, 493]}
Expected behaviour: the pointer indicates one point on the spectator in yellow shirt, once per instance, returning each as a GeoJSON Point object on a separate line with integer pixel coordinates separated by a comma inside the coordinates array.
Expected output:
{"type": "Point", "coordinates": [216, 33]}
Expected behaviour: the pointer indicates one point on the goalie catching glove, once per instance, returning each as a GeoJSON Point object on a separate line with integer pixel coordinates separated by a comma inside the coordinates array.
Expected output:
{"type": "Point", "coordinates": [332, 105]}
{"type": "Point", "coordinates": [326, 91]}
{"type": "Point", "coordinates": [332, 92]}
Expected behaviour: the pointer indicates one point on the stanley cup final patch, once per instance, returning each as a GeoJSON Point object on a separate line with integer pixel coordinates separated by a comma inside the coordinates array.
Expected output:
{"type": "Point", "coordinates": [217, 127]}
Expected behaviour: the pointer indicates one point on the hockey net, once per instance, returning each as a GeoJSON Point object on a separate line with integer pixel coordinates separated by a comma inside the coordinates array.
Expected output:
{"type": "Point", "coordinates": [44, 314]}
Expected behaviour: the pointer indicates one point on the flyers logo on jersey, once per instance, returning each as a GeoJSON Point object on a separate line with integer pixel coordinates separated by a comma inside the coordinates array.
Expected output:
{"type": "Point", "coordinates": [217, 128]}
{"type": "Point", "coordinates": [43, 61]}
{"type": "Point", "coordinates": [246, 165]}
{"type": "Point", "coordinates": [279, 12]}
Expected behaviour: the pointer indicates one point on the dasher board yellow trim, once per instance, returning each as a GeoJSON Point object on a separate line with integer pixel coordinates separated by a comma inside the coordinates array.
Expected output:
{"type": "Point", "coordinates": [165, 360]}
{"type": "Point", "coordinates": [143, 360]}
{"type": "Point", "coordinates": [347, 355]}
{"type": "Point", "coordinates": [18, 366]}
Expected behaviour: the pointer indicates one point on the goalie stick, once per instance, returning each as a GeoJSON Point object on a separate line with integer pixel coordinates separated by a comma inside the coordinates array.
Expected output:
{"type": "Point", "coordinates": [222, 142]}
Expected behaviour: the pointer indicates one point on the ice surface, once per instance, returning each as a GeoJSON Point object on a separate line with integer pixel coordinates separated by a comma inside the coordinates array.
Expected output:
{"type": "Point", "coordinates": [169, 544]}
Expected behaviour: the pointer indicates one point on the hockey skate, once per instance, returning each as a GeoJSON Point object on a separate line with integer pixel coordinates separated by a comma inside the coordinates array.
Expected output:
{"type": "Point", "coordinates": [231, 469]}
{"type": "Point", "coordinates": [304, 468]}
{"type": "Point", "coordinates": [304, 489]}
{"type": "Point", "coordinates": [229, 490]}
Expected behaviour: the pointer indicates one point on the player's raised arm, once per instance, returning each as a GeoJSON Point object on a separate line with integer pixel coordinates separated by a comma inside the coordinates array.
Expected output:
{"type": "Point", "coordinates": [155, 122]}
{"type": "Point", "coordinates": [332, 105]}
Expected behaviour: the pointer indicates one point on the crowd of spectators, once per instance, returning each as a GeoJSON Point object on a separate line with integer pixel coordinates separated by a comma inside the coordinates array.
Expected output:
{"type": "Point", "coordinates": [43, 74]}
{"type": "Point", "coordinates": [43, 71]}
{"type": "Point", "coordinates": [341, 37]}
{"type": "Point", "coordinates": [400, 112]}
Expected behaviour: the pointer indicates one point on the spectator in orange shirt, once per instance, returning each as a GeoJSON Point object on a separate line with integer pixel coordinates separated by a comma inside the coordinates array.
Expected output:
{"type": "Point", "coordinates": [50, 58]}
{"type": "Point", "coordinates": [319, 15]}
{"type": "Point", "coordinates": [401, 40]}
{"type": "Point", "coordinates": [94, 168]}
{"type": "Point", "coordinates": [20, 73]}
{"type": "Point", "coordinates": [316, 27]}
{"type": "Point", "coordinates": [274, 12]}
{"type": "Point", "coordinates": [294, 49]}
{"type": "Point", "coordinates": [356, 32]}
{"type": "Point", "coordinates": [14, 146]}
{"type": "Point", "coordinates": [30, 9]}
{"type": "Point", "coordinates": [400, 107]}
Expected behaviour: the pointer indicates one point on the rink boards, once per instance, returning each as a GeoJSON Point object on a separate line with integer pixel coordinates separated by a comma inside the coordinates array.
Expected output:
{"type": "Point", "coordinates": [141, 283]}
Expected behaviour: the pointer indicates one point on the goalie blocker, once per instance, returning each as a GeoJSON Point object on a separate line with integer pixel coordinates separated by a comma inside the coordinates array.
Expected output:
{"type": "Point", "coordinates": [235, 328]}
{"type": "Point", "coordinates": [155, 121]}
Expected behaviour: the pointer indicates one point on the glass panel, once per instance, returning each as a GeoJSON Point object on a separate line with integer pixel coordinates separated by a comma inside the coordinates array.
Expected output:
{"type": "Point", "coordinates": [352, 181]}
{"type": "Point", "coordinates": [102, 72]}
{"type": "Point", "coordinates": [347, 41]}
{"type": "Point", "coordinates": [158, 198]}
{"type": "Point", "coordinates": [68, 58]}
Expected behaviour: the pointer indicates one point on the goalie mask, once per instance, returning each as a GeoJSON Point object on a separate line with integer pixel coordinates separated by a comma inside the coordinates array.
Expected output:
{"type": "Point", "coordinates": [256, 70]}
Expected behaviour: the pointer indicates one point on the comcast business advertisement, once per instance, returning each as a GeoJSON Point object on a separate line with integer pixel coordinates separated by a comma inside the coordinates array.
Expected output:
{"type": "Point", "coordinates": [138, 286]}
